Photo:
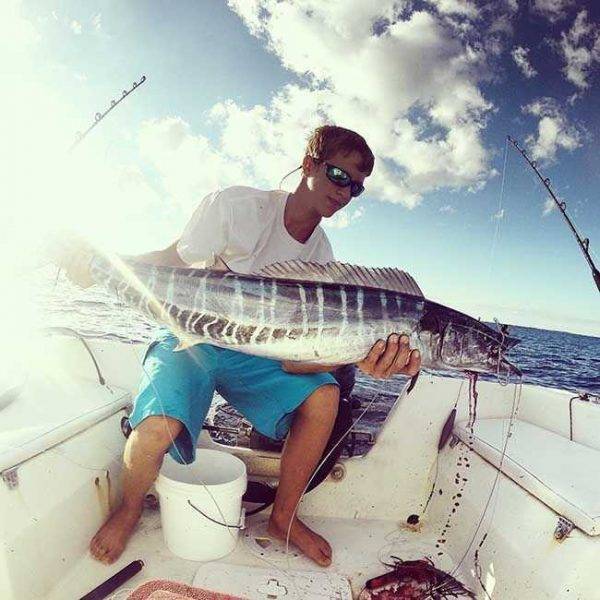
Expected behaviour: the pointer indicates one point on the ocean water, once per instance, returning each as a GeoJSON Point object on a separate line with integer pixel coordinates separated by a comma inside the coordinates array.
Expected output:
{"type": "Point", "coordinates": [548, 358]}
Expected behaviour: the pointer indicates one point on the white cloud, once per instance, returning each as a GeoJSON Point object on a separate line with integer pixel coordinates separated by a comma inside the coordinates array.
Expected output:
{"type": "Point", "coordinates": [97, 22]}
{"type": "Point", "coordinates": [553, 10]}
{"type": "Point", "coordinates": [447, 208]}
{"type": "Point", "coordinates": [417, 99]}
{"type": "Point", "coordinates": [549, 206]}
{"type": "Point", "coordinates": [580, 48]}
{"type": "Point", "coordinates": [521, 58]}
{"type": "Point", "coordinates": [554, 130]}
{"type": "Point", "coordinates": [456, 7]}
{"type": "Point", "coordinates": [344, 218]}
{"type": "Point", "coordinates": [75, 27]}
{"type": "Point", "coordinates": [187, 163]}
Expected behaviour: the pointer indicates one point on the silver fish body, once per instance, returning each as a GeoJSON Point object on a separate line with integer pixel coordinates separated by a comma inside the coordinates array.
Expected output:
{"type": "Point", "coordinates": [317, 322]}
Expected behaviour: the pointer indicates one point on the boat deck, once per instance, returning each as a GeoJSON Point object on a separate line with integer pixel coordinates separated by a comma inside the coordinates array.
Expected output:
{"type": "Point", "coordinates": [359, 546]}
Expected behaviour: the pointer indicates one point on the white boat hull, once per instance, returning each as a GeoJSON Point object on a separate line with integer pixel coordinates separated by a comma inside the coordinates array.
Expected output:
{"type": "Point", "coordinates": [56, 495]}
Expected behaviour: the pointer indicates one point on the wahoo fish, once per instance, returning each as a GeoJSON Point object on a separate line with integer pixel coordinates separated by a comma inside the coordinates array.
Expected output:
{"type": "Point", "coordinates": [328, 314]}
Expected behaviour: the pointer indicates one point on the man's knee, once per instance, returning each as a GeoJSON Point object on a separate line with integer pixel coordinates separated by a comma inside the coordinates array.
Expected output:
{"type": "Point", "coordinates": [322, 403]}
{"type": "Point", "coordinates": [158, 431]}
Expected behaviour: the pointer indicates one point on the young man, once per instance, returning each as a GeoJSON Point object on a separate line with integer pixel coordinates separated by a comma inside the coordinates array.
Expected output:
{"type": "Point", "coordinates": [245, 229]}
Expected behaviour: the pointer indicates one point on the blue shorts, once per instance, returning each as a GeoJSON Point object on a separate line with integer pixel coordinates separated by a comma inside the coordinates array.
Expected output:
{"type": "Point", "coordinates": [181, 385]}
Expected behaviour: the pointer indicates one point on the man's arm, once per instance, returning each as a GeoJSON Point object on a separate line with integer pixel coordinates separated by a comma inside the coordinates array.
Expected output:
{"type": "Point", "coordinates": [169, 257]}
{"type": "Point", "coordinates": [75, 260]}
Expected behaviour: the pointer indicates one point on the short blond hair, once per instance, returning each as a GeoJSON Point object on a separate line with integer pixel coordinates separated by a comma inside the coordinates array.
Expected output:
{"type": "Point", "coordinates": [327, 140]}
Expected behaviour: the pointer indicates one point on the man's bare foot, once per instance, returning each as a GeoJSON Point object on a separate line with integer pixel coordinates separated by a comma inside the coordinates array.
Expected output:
{"type": "Point", "coordinates": [309, 542]}
{"type": "Point", "coordinates": [110, 541]}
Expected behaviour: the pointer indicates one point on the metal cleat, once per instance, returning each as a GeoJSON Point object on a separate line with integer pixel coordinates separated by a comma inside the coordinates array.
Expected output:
{"type": "Point", "coordinates": [563, 529]}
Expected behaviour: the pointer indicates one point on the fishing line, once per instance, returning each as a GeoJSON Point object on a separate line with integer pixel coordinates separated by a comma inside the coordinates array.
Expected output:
{"type": "Point", "coordinates": [320, 464]}
{"type": "Point", "coordinates": [288, 533]}
{"type": "Point", "coordinates": [493, 495]}
{"type": "Point", "coordinates": [518, 387]}
{"type": "Point", "coordinates": [203, 483]}
{"type": "Point", "coordinates": [104, 469]}
{"type": "Point", "coordinates": [206, 487]}
{"type": "Point", "coordinates": [437, 456]}
{"type": "Point", "coordinates": [499, 213]}
{"type": "Point", "coordinates": [80, 136]}
{"type": "Point", "coordinates": [174, 445]}
{"type": "Point", "coordinates": [503, 334]}
{"type": "Point", "coordinates": [516, 393]}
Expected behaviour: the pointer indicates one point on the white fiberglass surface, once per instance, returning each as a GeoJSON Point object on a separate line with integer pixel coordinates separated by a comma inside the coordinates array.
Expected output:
{"type": "Point", "coordinates": [360, 547]}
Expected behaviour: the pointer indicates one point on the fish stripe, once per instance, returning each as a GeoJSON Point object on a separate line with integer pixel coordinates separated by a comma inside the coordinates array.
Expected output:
{"type": "Point", "coordinates": [215, 329]}
{"type": "Point", "coordinates": [243, 333]}
{"type": "Point", "coordinates": [320, 300]}
{"type": "Point", "coordinates": [295, 334]}
{"type": "Point", "coordinates": [261, 316]}
{"type": "Point", "coordinates": [383, 300]}
{"type": "Point", "coordinates": [359, 310]}
{"type": "Point", "coordinates": [383, 306]}
{"type": "Point", "coordinates": [344, 299]}
{"type": "Point", "coordinates": [192, 312]}
{"type": "Point", "coordinates": [230, 330]}
{"type": "Point", "coordinates": [279, 333]}
{"type": "Point", "coordinates": [302, 293]}
{"type": "Point", "coordinates": [273, 299]}
{"type": "Point", "coordinates": [202, 310]}
{"type": "Point", "coordinates": [201, 322]}
{"type": "Point", "coordinates": [171, 287]}
{"type": "Point", "coordinates": [263, 335]}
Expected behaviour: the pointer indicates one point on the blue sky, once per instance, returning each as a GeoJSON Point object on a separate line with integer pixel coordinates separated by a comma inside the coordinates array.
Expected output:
{"type": "Point", "coordinates": [233, 89]}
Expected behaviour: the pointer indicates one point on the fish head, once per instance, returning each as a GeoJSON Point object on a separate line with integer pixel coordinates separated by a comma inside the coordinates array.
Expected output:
{"type": "Point", "coordinates": [474, 346]}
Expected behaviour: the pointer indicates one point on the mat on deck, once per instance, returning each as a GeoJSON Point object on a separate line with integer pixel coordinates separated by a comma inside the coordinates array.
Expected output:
{"type": "Point", "coordinates": [161, 589]}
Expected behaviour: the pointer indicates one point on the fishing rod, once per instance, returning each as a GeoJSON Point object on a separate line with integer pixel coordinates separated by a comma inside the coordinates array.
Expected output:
{"type": "Point", "coordinates": [584, 244]}
{"type": "Point", "coordinates": [99, 116]}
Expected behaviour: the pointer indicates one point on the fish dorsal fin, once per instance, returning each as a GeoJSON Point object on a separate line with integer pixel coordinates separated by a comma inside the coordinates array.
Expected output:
{"type": "Point", "coordinates": [385, 278]}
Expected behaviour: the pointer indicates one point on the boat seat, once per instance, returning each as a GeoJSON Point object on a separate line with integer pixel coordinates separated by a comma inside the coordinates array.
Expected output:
{"type": "Point", "coordinates": [44, 411]}
{"type": "Point", "coordinates": [562, 474]}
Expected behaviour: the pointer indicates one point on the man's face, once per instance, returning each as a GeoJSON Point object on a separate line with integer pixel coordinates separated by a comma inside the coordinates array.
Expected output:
{"type": "Point", "coordinates": [328, 197]}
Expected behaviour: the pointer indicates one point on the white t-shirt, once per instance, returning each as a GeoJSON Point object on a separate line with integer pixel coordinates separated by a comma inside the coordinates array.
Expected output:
{"type": "Point", "coordinates": [244, 227]}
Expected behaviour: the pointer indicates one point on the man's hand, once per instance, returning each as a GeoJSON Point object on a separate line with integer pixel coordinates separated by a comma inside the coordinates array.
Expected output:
{"type": "Point", "coordinates": [73, 254]}
{"type": "Point", "coordinates": [393, 357]}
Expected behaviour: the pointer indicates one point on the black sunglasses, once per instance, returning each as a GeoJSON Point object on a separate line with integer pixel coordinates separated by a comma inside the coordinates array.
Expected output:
{"type": "Point", "coordinates": [342, 179]}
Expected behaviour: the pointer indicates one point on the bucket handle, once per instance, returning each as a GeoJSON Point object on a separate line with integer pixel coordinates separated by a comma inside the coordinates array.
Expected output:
{"type": "Point", "coordinates": [241, 525]}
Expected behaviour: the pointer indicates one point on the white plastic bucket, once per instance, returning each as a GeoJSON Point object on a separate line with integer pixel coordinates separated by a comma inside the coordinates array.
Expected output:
{"type": "Point", "coordinates": [201, 504]}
